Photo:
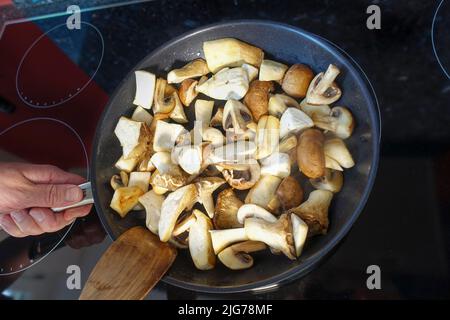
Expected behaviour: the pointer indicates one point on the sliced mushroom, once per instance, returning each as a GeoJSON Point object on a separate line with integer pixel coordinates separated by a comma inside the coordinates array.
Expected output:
{"type": "Point", "coordinates": [252, 72]}
{"type": "Point", "coordinates": [323, 89]}
{"type": "Point", "coordinates": [177, 113]}
{"type": "Point", "coordinates": [214, 136]}
{"type": "Point", "coordinates": [223, 238]}
{"type": "Point", "coordinates": [314, 211]}
{"type": "Point", "coordinates": [299, 232]}
{"type": "Point", "coordinates": [145, 165]}
{"type": "Point", "coordinates": [242, 178]}
{"type": "Point", "coordinates": [168, 181]}
{"type": "Point", "coordinates": [251, 210]}
{"type": "Point", "coordinates": [174, 204]}
{"type": "Point", "coordinates": [267, 136]}
{"type": "Point", "coordinates": [272, 71]}
{"type": "Point", "coordinates": [289, 193]}
{"type": "Point", "coordinates": [336, 149]}
{"type": "Point", "coordinates": [226, 84]}
{"type": "Point", "coordinates": [134, 137]}
{"type": "Point", "coordinates": [277, 164]}
{"type": "Point", "coordinates": [162, 161]}
{"type": "Point", "coordinates": [205, 188]}
{"type": "Point", "coordinates": [257, 97]}
{"type": "Point", "coordinates": [293, 121]}
{"type": "Point", "coordinates": [184, 225]}
{"type": "Point", "coordinates": [277, 235]}
{"type": "Point", "coordinates": [236, 117]}
{"type": "Point", "coordinates": [332, 164]}
{"type": "Point", "coordinates": [164, 101]}
{"type": "Point", "coordinates": [145, 89]}
{"type": "Point", "coordinates": [142, 115]}
{"type": "Point", "coordinates": [116, 182]}
{"type": "Point", "coordinates": [225, 213]}
{"type": "Point", "coordinates": [179, 243]}
{"type": "Point", "coordinates": [125, 199]}
{"type": "Point", "coordinates": [278, 103]}
{"type": "Point", "coordinates": [314, 111]}
{"type": "Point", "coordinates": [217, 119]}
{"type": "Point", "coordinates": [287, 144]}
{"type": "Point", "coordinates": [140, 180]}
{"type": "Point", "coordinates": [166, 135]}
{"type": "Point", "coordinates": [310, 153]}
{"type": "Point", "coordinates": [193, 69]}
{"type": "Point", "coordinates": [152, 203]}
{"type": "Point", "coordinates": [239, 152]}
{"type": "Point", "coordinates": [339, 121]}
{"type": "Point", "coordinates": [236, 257]}
{"type": "Point", "coordinates": [229, 52]}
{"type": "Point", "coordinates": [200, 245]}
{"type": "Point", "coordinates": [203, 112]}
{"type": "Point", "coordinates": [190, 158]}
{"type": "Point", "coordinates": [187, 91]}
{"type": "Point", "coordinates": [296, 80]}
{"type": "Point", "coordinates": [263, 192]}
{"type": "Point", "coordinates": [126, 165]}
{"type": "Point", "coordinates": [331, 181]}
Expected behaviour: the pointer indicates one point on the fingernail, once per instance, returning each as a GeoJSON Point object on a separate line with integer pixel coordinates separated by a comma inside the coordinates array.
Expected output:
{"type": "Point", "coordinates": [73, 194]}
{"type": "Point", "coordinates": [18, 216]}
{"type": "Point", "coordinates": [37, 215]}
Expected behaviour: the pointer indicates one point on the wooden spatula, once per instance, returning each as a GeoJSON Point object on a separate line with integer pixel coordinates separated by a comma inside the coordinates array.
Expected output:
{"type": "Point", "coordinates": [130, 267]}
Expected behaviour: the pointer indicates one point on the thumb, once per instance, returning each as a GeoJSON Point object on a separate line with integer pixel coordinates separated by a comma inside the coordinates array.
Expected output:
{"type": "Point", "coordinates": [54, 195]}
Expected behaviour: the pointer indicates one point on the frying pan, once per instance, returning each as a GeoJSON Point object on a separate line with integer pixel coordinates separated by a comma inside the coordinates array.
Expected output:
{"type": "Point", "coordinates": [282, 43]}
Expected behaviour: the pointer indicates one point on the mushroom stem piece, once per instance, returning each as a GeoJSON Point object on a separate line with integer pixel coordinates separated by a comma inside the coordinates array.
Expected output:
{"type": "Point", "coordinates": [223, 238]}
{"type": "Point", "coordinates": [236, 257]}
{"type": "Point", "coordinates": [200, 245]}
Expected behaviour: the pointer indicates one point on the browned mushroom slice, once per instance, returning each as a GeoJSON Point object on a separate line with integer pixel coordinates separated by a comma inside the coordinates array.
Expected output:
{"type": "Point", "coordinates": [225, 213]}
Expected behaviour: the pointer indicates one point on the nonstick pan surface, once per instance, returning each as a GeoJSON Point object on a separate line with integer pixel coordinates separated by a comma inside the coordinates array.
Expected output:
{"type": "Point", "coordinates": [281, 43]}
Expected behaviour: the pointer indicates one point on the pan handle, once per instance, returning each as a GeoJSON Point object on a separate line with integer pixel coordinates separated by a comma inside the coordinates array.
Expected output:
{"type": "Point", "coordinates": [87, 198]}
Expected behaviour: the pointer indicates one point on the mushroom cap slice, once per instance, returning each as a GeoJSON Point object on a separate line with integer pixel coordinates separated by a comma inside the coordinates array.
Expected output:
{"type": "Point", "coordinates": [190, 158]}
{"type": "Point", "coordinates": [205, 187]}
{"type": "Point", "coordinates": [194, 69]}
{"type": "Point", "coordinates": [310, 153]}
{"type": "Point", "coordinates": [339, 121]}
{"type": "Point", "coordinates": [214, 136]}
{"type": "Point", "coordinates": [314, 211]}
{"type": "Point", "coordinates": [331, 181]}
{"type": "Point", "coordinates": [145, 89]}
{"type": "Point", "coordinates": [323, 89]}
{"type": "Point", "coordinates": [251, 210]}
{"type": "Point", "coordinates": [177, 113]}
{"type": "Point", "coordinates": [187, 91]}
{"type": "Point", "coordinates": [314, 111]}
{"type": "Point", "coordinates": [200, 245]}
{"type": "Point", "coordinates": [252, 72]}
{"type": "Point", "coordinates": [336, 149]}
{"type": "Point", "coordinates": [236, 257]}
{"type": "Point", "coordinates": [263, 192]}
{"type": "Point", "coordinates": [299, 232]}
{"type": "Point", "coordinates": [271, 70]}
{"type": "Point", "coordinates": [242, 178]}
{"type": "Point", "coordinates": [277, 235]}
{"type": "Point", "coordinates": [226, 84]}
{"type": "Point", "coordinates": [125, 199]}
{"type": "Point", "coordinates": [164, 101]}
{"type": "Point", "coordinates": [297, 80]}
{"type": "Point", "coordinates": [152, 203]}
{"type": "Point", "coordinates": [174, 204]}
{"type": "Point", "coordinates": [289, 193]}
{"type": "Point", "coordinates": [236, 117]}
{"type": "Point", "coordinates": [134, 137]}
{"type": "Point", "coordinates": [223, 238]}
{"type": "Point", "coordinates": [293, 121]}
{"type": "Point", "coordinates": [225, 213]}
{"type": "Point", "coordinates": [116, 182]}
{"type": "Point", "coordinates": [257, 97]}
{"type": "Point", "coordinates": [277, 164]}
{"type": "Point", "coordinates": [278, 103]}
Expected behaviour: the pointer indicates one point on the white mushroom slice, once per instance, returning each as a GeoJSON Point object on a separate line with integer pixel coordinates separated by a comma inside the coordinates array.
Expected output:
{"type": "Point", "coordinates": [223, 238]}
{"type": "Point", "coordinates": [229, 52]}
{"type": "Point", "coordinates": [184, 225]}
{"type": "Point", "coordinates": [239, 152]}
{"type": "Point", "coordinates": [264, 191]}
{"type": "Point", "coordinates": [336, 149]}
{"type": "Point", "coordinates": [126, 165]}
{"type": "Point", "coordinates": [205, 188]}
{"type": "Point", "coordinates": [214, 136]}
{"type": "Point", "coordinates": [175, 203]}
{"type": "Point", "coordinates": [267, 136]}
{"type": "Point", "coordinates": [252, 72]}
{"type": "Point", "coordinates": [164, 98]}
{"type": "Point", "coordinates": [133, 136]}
{"type": "Point", "coordinates": [331, 181]}
{"type": "Point", "coordinates": [200, 246]}
{"type": "Point", "coordinates": [293, 121]}
{"type": "Point", "coordinates": [142, 115]}
{"type": "Point", "coordinates": [241, 177]}
{"type": "Point", "coordinates": [177, 113]}
{"type": "Point", "coordinates": [277, 235]}
{"type": "Point", "coordinates": [226, 84]}
{"type": "Point", "coordinates": [152, 203]}
{"type": "Point", "coordinates": [162, 161]}
{"type": "Point", "coordinates": [236, 117]}
{"type": "Point", "coordinates": [299, 232]}
{"type": "Point", "coordinates": [314, 111]}
{"type": "Point", "coordinates": [236, 257]}
{"type": "Point", "coordinates": [339, 121]}
{"type": "Point", "coordinates": [140, 180]}
{"type": "Point", "coordinates": [203, 112]}
{"type": "Point", "coordinates": [145, 89]}
{"type": "Point", "coordinates": [323, 89]}
{"type": "Point", "coordinates": [278, 103]}
{"type": "Point", "coordinates": [277, 164]}
{"type": "Point", "coordinates": [332, 164]}
{"type": "Point", "coordinates": [272, 70]}
{"type": "Point", "coordinates": [125, 199]}
{"type": "Point", "coordinates": [159, 190]}
{"type": "Point", "coordinates": [166, 135]}
{"type": "Point", "coordinates": [193, 69]}
{"type": "Point", "coordinates": [251, 210]}
{"type": "Point", "coordinates": [190, 158]}
{"type": "Point", "coordinates": [187, 91]}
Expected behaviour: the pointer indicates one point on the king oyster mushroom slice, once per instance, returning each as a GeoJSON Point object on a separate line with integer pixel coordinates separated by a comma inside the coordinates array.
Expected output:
{"type": "Point", "coordinates": [331, 181]}
{"type": "Point", "coordinates": [187, 91]}
{"type": "Point", "coordinates": [336, 150]}
{"type": "Point", "coordinates": [241, 177]}
{"type": "Point", "coordinates": [277, 164]}
{"type": "Point", "coordinates": [252, 72]}
{"type": "Point", "coordinates": [267, 136]}
{"type": "Point", "coordinates": [225, 213]}
{"type": "Point", "coordinates": [310, 153]}
{"type": "Point", "coordinates": [314, 211]}
{"type": "Point", "coordinates": [236, 117]}
{"type": "Point", "coordinates": [257, 97]}
{"type": "Point", "coordinates": [126, 165]}
{"type": "Point", "coordinates": [193, 69]}
{"type": "Point", "coordinates": [142, 115]}
{"type": "Point", "coordinates": [140, 179]}
{"type": "Point", "coordinates": [263, 192]}
{"type": "Point", "coordinates": [251, 210]}
{"type": "Point", "coordinates": [190, 158]}
{"type": "Point", "coordinates": [277, 235]}
{"type": "Point", "coordinates": [278, 103]}
{"type": "Point", "coordinates": [174, 204]}
{"type": "Point", "coordinates": [206, 186]}
{"type": "Point", "coordinates": [203, 112]}
{"type": "Point", "coordinates": [236, 257]}
{"type": "Point", "coordinates": [289, 193]}
{"type": "Point", "coordinates": [339, 121]}
{"type": "Point", "coordinates": [223, 238]}
{"type": "Point", "coordinates": [125, 199]}
{"type": "Point", "coordinates": [177, 113]}
{"type": "Point", "coordinates": [134, 137]}
{"type": "Point", "coordinates": [214, 136]}
{"type": "Point", "coordinates": [229, 52]}
{"type": "Point", "coordinates": [152, 203]}
{"type": "Point", "coordinates": [200, 245]}
{"type": "Point", "coordinates": [272, 70]}
{"type": "Point", "coordinates": [226, 84]}
{"type": "Point", "coordinates": [217, 119]}
{"type": "Point", "coordinates": [145, 89]}
{"type": "Point", "coordinates": [323, 89]}
{"type": "Point", "coordinates": [293, 121]}
{"type": "Point", "coordinates": [164, 102]}
{"type": "Point", "coordinates": [162, 161]}
{"type": "Point", "coordinates": [296, 80]}
{"type": "Point", "coordinates": [166, 135]}
{"type": "Point", "coordinates": [299, 232]}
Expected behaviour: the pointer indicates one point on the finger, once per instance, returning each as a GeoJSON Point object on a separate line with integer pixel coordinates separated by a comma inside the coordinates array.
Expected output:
{"type": "Point", "coordinates": [46, 219]}
{"type": "Point", "coordinates": [53, 195]}
{"type": "Point", "coordinates": [10, 227]}
{"type": "Point", "coordinates": [78, 212]}
{"type": "Point", "coordinates": [25, 223]}
{"type": "Point", "coordinates": [49, 174]}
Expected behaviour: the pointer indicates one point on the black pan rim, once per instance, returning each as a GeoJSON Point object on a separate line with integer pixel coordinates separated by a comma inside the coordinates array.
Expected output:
{"type": "Point", "coordinates": [307, 266]}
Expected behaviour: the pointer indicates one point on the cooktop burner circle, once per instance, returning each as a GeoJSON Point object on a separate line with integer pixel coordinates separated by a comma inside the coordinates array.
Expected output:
{"type": "Point", "coordinates": [439, 36]}
{"type": "Point", "coordinates": [19, 254]}
{"type": "Point", "coordinates": [64, 79]}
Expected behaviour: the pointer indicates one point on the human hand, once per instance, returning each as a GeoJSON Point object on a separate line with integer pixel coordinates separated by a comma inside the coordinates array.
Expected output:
{"type": "Point", "coordinates": [28, 191]}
